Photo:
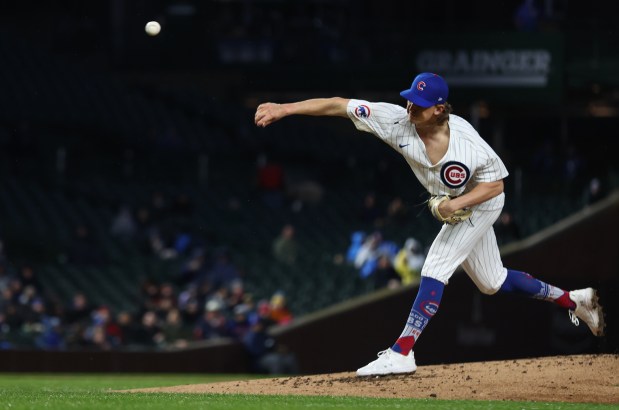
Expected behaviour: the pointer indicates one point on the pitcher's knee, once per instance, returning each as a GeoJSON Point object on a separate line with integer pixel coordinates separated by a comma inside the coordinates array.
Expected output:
{"type": "Point", "coordinates": [488, 289]}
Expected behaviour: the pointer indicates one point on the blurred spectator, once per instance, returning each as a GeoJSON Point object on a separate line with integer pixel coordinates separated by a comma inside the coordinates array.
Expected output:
{"type": "Point", "coordinates": [12, 317]}
{"type": "Point", "coordinates": [266, 355]}
{"type": "Point", "coordinates": [52, 334]}
{"type": "Point", "coordinates": [409, 261]}
{"type": "Point", "coordinates": [16, 288]}
{"type": "Point", "coordinates": [280, 313]}
{"type": "Point", "coordinates": [236, 294]}
{"type": "Point", "coordinates": [218, 296]}
{"type": "Point", "coordinates": [369, 253]}
{"type": "Point", "coordinates": [95, 335]}
{"type": "Point", "coordinates": [101, 318]}
{"type": "Point", "coordinates": [385, 275]}
{"type": "Point", "coordinates": [126, 328]}
{"type": "Point", "coordinates": [149, 333]}
{"type": "Point", "coordinates": [369, 212]}
{"type": "Point", "coordinates": [183, 239]}
{"type": "Point", "coordinates": [190, 311]}
{"type": "Point", "coordinates": [258, 343]}
{"type": "Point", "coordinates": [262, 313]}
{"type": "Point", "coordinates": [573, 164]}
{"type": "Point", "coordinates": [506, 228]}
{"type": "Point", "coordinates": [149, 294]}
{"type": "Point", "coordinates": [175, 333]}
{"type": "Point", "coordinates": [6, 296]}
{"type": "Point", "coordinates": [223, 271]}
{"type": "Point", "coordinates": [124, 225]}
{"type": "Point", "coordinates": [28, 295]}
{"type": "Point", "coordinates": [213, 323]}
{"type": "Point", "coordinates": [97, 338]}
{"type": "Point", "coordinates": [368, 250]}
{"type": "Point", "coordinates": [5, 330]}
{"type": "Point", "coordinates": [595, 191]}
{"type": "Point", "coordinates": [356, 242]}
{"type": "Point", "coordinates": [30, 312]}
{"type": "Point", "coordinates": [285, 246]}
{"type": "Point", "coordinates": [397, 212]}
{"type": "Point", "coordinates": [79, 309]}
{"type": "Point", "coordinates": [166, 300]}
{"type": "Point", "coordinates": [270, 182]}
{"type": "Point", "coordinates": [186, 295]}
{"type": "Point", "coordinates": [205, 290]}
{"type": "Point", "coordinates": [194, 268]}
{"type": "Point", "coordinates": [113, 331]}
{"type": "Point", "coordinates": [160, 245]}
{"type": "Point", "coordinates": [240, 324]}
{"type": "Point", "coordinates": [5, 278]}
{"type": "Point", "coordinates": [305, 191]}
{"type": "Point", "coordinates": [28, 278]}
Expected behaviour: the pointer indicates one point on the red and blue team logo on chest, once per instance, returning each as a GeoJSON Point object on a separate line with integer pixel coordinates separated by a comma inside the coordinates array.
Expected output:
{"type": "Point", "coordinates": [455, 174]}
{"type": "Point", "coordinates": [362, 111]}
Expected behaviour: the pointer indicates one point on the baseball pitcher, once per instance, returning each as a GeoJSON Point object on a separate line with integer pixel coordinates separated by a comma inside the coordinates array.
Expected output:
{"type": "Point", "coordinates": [464, 178]}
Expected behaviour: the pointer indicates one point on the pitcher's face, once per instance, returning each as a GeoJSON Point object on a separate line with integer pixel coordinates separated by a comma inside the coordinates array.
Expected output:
{"type": "Point", "coordinates": [420, 115]}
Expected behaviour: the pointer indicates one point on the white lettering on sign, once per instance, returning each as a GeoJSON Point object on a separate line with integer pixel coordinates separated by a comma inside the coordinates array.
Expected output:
{"type": "Point", "coordinates": [489, 67]}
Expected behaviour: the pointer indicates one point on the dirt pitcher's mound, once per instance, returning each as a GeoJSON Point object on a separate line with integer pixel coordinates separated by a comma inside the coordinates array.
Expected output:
{"type": "Point", "coordinates": [581, 378]}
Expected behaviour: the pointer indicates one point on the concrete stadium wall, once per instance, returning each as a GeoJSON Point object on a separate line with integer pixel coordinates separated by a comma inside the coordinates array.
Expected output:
{"type": "Point", "coordinates": [221, 356]}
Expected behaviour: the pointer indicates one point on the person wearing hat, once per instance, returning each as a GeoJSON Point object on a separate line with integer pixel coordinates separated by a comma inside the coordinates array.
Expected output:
{"type": "Point", "coordinates": [455, 165]}
{"type": "Point", "coordinates": [409, 261]}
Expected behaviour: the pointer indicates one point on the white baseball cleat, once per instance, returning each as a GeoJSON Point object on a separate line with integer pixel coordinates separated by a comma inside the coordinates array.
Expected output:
{"type": "Point", "coordinates": [588, 309]}
{"type": "Point", "coordinates": [389, 362]}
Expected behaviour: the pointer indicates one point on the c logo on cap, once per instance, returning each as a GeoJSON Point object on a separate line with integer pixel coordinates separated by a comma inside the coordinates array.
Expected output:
{"type": "Point", "coordinates": [421, 85]}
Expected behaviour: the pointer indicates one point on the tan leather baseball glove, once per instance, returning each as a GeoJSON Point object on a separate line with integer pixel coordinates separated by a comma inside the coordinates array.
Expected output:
{"type": "Point", "coordinates": [455, 218]}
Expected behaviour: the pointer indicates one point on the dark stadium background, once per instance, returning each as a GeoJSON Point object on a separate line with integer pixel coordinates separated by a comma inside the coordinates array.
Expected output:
{"type": "Point", "coordinates": [96, 116]}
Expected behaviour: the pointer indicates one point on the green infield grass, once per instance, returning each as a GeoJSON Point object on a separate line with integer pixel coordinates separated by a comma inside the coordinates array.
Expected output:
{"type": "Point", "coordinates": [96, 391]}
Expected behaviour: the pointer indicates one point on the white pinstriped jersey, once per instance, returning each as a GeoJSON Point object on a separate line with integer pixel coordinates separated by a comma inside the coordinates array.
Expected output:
{"type": "Point", "coordinates": [469, 159]}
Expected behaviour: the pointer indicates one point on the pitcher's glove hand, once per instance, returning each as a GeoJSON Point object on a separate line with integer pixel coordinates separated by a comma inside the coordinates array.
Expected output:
{"type": "Point", "coordinates": [453, 219]}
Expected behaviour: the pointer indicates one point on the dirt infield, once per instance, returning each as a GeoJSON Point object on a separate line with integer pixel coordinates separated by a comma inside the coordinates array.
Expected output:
{"type": "Point", "coordinates": [579, 379]}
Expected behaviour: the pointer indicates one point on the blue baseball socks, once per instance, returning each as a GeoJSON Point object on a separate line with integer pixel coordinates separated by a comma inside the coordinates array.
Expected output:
{"type": "Point", "coordinates": [431, 291]}
{"type": "Point", "coordinates": [425, 306]}
{"type": "Point", "coordinates": [522, 283]}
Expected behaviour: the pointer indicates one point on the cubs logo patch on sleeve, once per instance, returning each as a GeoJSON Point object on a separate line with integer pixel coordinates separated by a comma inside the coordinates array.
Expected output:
{"type": "Point", "coordinates": [362, 111]}
{"type": "Point", "coordinates": [455, 174]}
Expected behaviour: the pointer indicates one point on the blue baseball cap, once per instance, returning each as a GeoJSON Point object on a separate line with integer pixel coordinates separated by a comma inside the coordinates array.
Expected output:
{"type": "Point", "coordinates": [428, 89]}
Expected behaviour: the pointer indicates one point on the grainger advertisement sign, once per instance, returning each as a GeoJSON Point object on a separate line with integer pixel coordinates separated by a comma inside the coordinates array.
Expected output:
{"type": "Point", "coordinates": [530, 63]}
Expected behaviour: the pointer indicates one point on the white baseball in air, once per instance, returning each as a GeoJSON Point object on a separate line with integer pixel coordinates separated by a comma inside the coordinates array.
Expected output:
{"type": "Point", "coordinates": [152, 28]}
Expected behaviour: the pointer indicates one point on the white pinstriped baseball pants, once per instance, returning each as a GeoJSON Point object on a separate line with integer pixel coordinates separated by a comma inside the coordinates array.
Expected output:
{"type": "Point", "coordinates": [472, 245]}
